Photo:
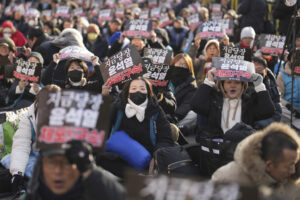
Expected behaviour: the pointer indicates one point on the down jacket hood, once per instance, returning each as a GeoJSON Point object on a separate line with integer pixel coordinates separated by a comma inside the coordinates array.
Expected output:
{"type": "Point", "coordinates": [248, 154]}
{"type": "Point", "coordinates": [69, 37]}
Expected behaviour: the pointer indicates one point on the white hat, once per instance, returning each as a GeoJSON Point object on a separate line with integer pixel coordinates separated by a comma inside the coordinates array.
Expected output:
{"type": "Point", "coordinates": [248, 32]}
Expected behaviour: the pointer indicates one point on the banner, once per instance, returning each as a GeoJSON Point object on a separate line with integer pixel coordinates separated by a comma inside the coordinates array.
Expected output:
{"type": "Point", "coordinates": [157, 74]}
{"type": "Point", "coordinates": [63, 11]}
{"type": "Point", "coordinates": [105, 15]}
{"type": "Point", "coordinates": [123, 66]}
{"type": "Point", "coordinates": [159, 56]}
{"type": "Point", "coordinates": [75, 52]}
{"type": "Point", "coordinates": [72, 114]}
{"type": "Point", "coordinates": [138, 28]}
{"type": "Point", "coordinates": [210, 29]}
{"type": "Point", "coordinates": [236, 53]}
{"type": "Point", "coordinates": [231, 69]}
{"type": "Point", "coordinates": [271, 44]}
{"type": "Point", "coordinates": [166, 188]}
{"type": "Point", "coordinates": [28, 71]}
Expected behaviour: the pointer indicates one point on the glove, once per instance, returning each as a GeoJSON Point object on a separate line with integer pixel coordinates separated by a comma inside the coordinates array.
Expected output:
{"type": "Point", "coordinates": [80, 154]}
{"type": "Point", "coordinates": [257, 79]}
{"type": "Point", "coordinates": [17, 183]}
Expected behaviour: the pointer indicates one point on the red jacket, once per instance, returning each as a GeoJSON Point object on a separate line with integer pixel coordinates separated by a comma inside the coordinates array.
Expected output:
{"type": "Point", "coordinates": [17, 36]}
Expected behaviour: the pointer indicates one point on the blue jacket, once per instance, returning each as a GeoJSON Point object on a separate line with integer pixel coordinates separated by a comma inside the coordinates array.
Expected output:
{"type": "Point", "coordinates": [287, 79]}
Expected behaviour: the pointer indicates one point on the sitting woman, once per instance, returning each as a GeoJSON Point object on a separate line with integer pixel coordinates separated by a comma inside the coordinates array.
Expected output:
{"type": "Point", "coordinates": [225, 104]}
{"type": "Point", "coordinates": [138, 114]}
{"type": "Point", "coordinates": [183, 85]}
{"type": "Point", "coordinates": [22, 93]}
{"type": "Point", "coordinates": [77, 73]}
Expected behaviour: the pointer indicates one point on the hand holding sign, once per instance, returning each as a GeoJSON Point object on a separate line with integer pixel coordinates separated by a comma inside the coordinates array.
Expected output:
{"type": "Point", "coordinates": [257, 79]}
{"type": "Point", "coordinates": [56, 58]}
{"type": "Point", "coordinates": [211, 74]}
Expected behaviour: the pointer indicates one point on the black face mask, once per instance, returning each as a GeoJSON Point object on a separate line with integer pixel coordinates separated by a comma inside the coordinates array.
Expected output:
{"type": "Point", "coordinates": [178, 30]}
{"type": "Point", "coordinates": [179, 75]}
{"type": "Point", "coordinates": [75, 75]}
{"type": "Point", "coordinates": [138, 98]}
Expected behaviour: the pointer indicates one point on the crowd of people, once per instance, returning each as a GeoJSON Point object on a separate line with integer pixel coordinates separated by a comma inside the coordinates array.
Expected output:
{"type": "Point", "coordinates": [233, 130]}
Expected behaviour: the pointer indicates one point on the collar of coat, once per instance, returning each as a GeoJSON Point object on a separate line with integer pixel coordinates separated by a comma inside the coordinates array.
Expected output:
{"type": "Point", "coordinates": [248, 155]}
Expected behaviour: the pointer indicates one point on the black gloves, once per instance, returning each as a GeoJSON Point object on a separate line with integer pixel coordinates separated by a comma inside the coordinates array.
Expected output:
{"type": "Point", "coordinates": [17, 183]}
{"type": "Point", "coordinates": [80, 153]}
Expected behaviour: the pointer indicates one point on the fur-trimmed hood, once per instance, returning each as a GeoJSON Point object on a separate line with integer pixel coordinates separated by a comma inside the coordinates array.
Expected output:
{"type": "Point", "coordinates": [248, 154]}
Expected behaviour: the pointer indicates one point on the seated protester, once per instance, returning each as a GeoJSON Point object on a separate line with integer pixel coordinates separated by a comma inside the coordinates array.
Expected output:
{"type": "Point", "coordinates": [77, 74]}
{"type": "Point", "coordinates": [271, 86]}
{"type": "Point", "coordinates": [284, 82]}
{"type": "Point", "coordinates": [139, 43]}
{"type": "Point", "coordinates": [203, 63]}
{"type": "Point", "coordinates": [7, 49]}
{"type": "Point", "coordinates": [135, 112]}
{"type": "Point", "coordinates": [22, 93]}
{"type": "Point", "coordinates": [247, 38]}
{"type": "Point", "coordinates": [269, 157]}
{"type": "Point", "coordinates": [94, 42]}
{"type": "Point", "coordinates": [71, 174]}
{"type": "Point", "coordinates": [183, 85]}
{"type": "Point", "coordinates": [24, 152]}
{"type": "Point", "coordinates": [224, 105]}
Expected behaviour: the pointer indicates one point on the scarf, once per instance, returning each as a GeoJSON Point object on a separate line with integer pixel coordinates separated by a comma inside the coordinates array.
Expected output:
{"type": "Point", "coordinates": [132, 109]}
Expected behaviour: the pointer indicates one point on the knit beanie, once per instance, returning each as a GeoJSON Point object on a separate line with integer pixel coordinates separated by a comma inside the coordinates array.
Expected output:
{"type": "Point", "coordinates": [114, 37]}
{"type": "Point", "coordinates": [38, 56]}
{"type": "Point", "coordinates": [248, 32]}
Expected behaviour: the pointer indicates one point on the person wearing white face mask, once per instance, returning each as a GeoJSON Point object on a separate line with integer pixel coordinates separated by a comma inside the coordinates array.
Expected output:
{"type": "Point", "coordinates": [7, 29]}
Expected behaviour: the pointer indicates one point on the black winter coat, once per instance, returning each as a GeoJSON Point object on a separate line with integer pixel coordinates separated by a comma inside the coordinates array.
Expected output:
{"type": "Point", "coordinates": [253, 12]}
{"type": "Point", "coordinates": [140, 131]}
{"type": "Point", "coordinates": [99, 48]}
{"type": "Point", "coordinates": [183, 94]}
{"type": "Point", "coordinates": [208, 102]}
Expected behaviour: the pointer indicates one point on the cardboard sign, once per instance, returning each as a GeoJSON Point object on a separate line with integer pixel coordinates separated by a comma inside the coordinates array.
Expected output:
{"type": "Point", "coordinates": [165, 20]}
{"type": "Point", "coordinates": [155, 12]}
{"type": "Point", "coordinates": [194, 20]}
{"type": "Point", "coordinates": [120, 13]}
{"type": "Point", "coordinates": [47, 13]}
{"type": "Point", "coordinates": [232, 69]}
{"type": "Point", "coordinates": [63, 11]}
{"type": "Point", "coordinates": [122, 67]}
{"type": "Point", "coordinates": [79, 12]}
{"type": "Point", "coordinates": [271, 44]}
{"type": "Point", "coordinates": [165, 188]}
{"type": "Point", "coordinates": [228, 25]}
{"type": "Point", "coordinates": [105, 15]}
{"type": "Point", "coordinates": [158, 56]}
{"type": "Point", "coordinates": [297, 63]}
{"type": "Point", "coordinates": [156, 73]}
{"type": "Point", "coordinates": [28, 71]}
{"type": "Point", "coordinates": [72, 115]}
{"type": "Point", "coordinates": [236, 53]}
{"type": "Point", "coordinates": [152, 3]}
{"type": "Point", "coordinates": [144, 14]}
{"type": "Point", "coordinates": [75, 52]}
{"type": "Point", "coordinates": [210, 29]}
{"type": "Point", "coordinates": [110, 3]}
{"type": "Point", "coordinates": [32, 12]}
{"type": "Point", "coordinates": [138, 28]}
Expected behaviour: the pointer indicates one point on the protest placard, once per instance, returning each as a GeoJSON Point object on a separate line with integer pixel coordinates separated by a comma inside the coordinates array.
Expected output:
{"type": "Point", "coordinates": [47, 13]}
{"type": "Point", "coordinates": [152, 3]}
{"type": "Point", "coordinates": [105, 15]}
{"type": "Point", "coordinates": [72, 115]}
{"type": "Point", "coordinates": [194, 20]}
{"type": "Point", "coordinates": [236, 53]}
{"type": "Point", "coordinates": [63, 12]}
{"type": "Point", "coordinates": [138, 28]}
{"type": "Point", "coordinates": [75, 52]}
{"type": "Point", "coordinates": [157, 74]}
{"type": "Point", "coordinates": [232, 69]}
{"type": "Point", "coordinates": [158, 56]}
{"type": "Point", "coordinates": [110, 3]}
{"type": "Point", "coordinates": [144, 14]}
{"type": "Point", "coordinates": [165, 20]}
{"type": "Point", "coordinates": [123, 66]}
{"type": "Point", "coordinates": [227, 25]}
{"type": "Point", "coordinates": [120, 13]}
{"type": "Point", "coordinates": [32, 12]}
{"type": "Point", "coordinates": [79, 12]}
{"type": "Point", "coordinates": [182, 188]}
{"type": "Point", "coordinates": [28, 71]}
{"type": "Point", "coordinates": [215, 7]}
{"type": "Point", "coordinates": [271, 44]}
{"type": "Point", "coordinates": [155, 12]}
{"type": "Point", "coordinates": [210, 29]}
